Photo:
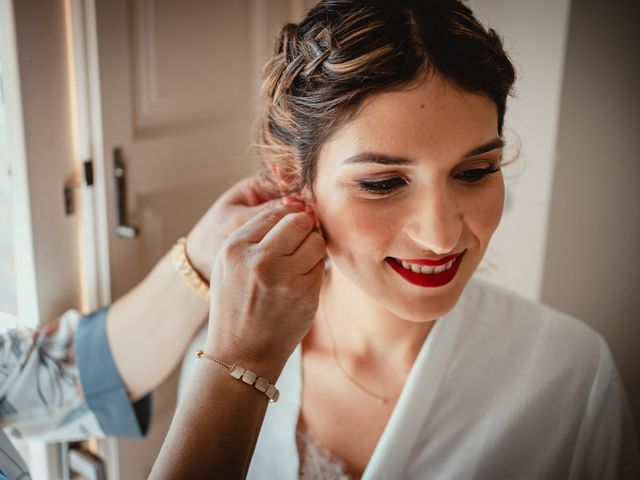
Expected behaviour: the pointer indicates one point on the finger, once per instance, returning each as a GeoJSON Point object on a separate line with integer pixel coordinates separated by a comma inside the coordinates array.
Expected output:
{"type": "Point", "coordinates": [241, 193]}
{"type": "Point", "coordinates": [288, 234]}
{"type": "Point", "coordinates": [256, 228]}
{"type": "Point", "coordinates": [316, 274]}
{"type": "Point", "coordinates": [310, 252]}
{"type": "Point", "coordinates": [250, 191]}
{"type": "Point", "coordinates": [255, 210]}
{"type": "Point", "coordinates": [244, 214]}
{"type": "Point", "coordinates": [308, 206]}
{"type": "Point", "coordinates": [290, 199]}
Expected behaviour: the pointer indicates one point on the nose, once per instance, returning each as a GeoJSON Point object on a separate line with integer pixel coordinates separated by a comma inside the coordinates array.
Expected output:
{"type": "Point", "coordinates": [436, 223]}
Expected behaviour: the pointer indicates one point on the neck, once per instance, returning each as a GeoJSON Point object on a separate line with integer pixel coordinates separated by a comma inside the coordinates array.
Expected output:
{"type": "Point", "coordinates": [364, 332]}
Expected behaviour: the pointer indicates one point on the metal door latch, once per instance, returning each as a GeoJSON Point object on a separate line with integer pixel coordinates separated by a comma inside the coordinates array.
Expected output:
{"type": "Point", "coordinates": [73, 183]}
{"type": "Point", "coordinates": [124, 229]}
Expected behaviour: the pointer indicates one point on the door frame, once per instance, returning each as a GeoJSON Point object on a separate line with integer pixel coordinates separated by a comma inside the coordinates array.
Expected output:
{"type": "Point", "coordinates": [38, 218]}
{"type": "Point", "coordinates": [95, 252]}
{"type": "Point", "coordinates": [44, 458]}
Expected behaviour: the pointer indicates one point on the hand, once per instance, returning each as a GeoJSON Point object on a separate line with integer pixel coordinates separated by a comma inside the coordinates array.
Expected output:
{"type": "Point", "coordinates": [266, 285]}
{"type": "Point", "coordinates": [233, 209]}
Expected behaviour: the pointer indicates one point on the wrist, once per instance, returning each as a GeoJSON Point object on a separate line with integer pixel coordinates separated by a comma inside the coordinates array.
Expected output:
{"type": "Point", "coordinates": [185, 268]}
{"type": "Point", "coordinates": [201, 267]}
{"type": "Point", "coordinates": [263, 364]}
{"type": "Point", "coordinates": [251, 376]}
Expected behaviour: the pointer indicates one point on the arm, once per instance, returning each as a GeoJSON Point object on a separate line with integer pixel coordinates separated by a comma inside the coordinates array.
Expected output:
{"type": "Point", "coordinates": [217, 424]}
{"type": "Point", "coordinates": [151, 326]}
{"type": "Point", "coordinates": [265, 294]}
{"type": "Point", "coordinates": [49, 377]}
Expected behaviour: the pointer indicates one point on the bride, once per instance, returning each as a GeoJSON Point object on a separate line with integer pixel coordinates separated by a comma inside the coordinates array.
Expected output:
{"type": "Point", "coordinates": [353, 300]}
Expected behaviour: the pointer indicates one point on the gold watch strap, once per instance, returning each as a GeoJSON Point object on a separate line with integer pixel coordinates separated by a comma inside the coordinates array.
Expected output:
{"type": "Point", "coordinates": [184, 267]}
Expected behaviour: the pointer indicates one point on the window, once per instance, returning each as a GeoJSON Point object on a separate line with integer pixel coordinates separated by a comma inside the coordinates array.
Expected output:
{"type": "Point", "coordinates": [8, 298]}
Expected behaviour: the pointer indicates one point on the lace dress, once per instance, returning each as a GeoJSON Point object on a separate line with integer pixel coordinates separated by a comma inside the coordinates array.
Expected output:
{"type": "Point", "coordinates": [317, 463]}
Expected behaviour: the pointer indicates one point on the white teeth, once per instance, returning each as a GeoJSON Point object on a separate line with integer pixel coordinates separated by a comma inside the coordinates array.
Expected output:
{"type": "Point", "coordinates": [440, 268]}
{"type": "Point", "coordinates": [428, 270]}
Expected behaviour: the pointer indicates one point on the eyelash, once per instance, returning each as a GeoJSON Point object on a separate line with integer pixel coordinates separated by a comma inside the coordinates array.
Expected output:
{"type": "Point", "coordinates": [384, 187]}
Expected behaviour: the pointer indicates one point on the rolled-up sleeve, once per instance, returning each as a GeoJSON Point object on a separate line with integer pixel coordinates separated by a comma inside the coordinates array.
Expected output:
{"type": "Point", "coordinates": [60, 383]}
{"type": "Point", "coordinates": [104, 390]}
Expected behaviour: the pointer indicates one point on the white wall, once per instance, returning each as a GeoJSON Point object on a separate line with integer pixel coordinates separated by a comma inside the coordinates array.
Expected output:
{"type": "Point", "coordinates": [534, 35]}
{"type": "Point", "coordinates": [592, 262]}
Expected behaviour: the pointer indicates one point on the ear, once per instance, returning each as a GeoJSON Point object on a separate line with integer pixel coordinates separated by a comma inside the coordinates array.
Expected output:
{"type": "Point", "coordinates": [307, 195]}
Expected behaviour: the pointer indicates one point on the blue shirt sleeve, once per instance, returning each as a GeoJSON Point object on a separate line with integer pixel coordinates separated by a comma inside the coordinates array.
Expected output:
{"type": "Point", "coordinates": [103, 387]}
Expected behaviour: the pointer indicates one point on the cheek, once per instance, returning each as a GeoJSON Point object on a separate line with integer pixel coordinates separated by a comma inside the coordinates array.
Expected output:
{"type": "Point", "coordinates": [351, 226]}
{"type": "Point", "coordinates": [486, 211]}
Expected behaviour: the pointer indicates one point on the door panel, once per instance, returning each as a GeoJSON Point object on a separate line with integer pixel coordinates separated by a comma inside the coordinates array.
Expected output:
{"type": "Point", "coordinates": [179, 88]}
{"type": "Point", "coordinates": [187, 66]}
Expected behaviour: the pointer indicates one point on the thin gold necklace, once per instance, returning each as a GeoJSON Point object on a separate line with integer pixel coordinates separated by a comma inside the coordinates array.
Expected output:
{"type": "Point", "coordinates": [334, 351]}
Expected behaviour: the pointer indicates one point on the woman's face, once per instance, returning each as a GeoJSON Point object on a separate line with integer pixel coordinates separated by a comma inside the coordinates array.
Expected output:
{"type": "Point", "coordinates": [410, 179]}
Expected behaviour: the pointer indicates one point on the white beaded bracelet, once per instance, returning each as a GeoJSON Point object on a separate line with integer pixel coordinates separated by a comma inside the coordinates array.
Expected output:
{"type": "Point", "coordinates": [248, 377]}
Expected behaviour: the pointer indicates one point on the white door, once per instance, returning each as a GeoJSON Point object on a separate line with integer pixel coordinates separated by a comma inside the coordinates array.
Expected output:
{"type": "Point", "coordinates": [179, 82]}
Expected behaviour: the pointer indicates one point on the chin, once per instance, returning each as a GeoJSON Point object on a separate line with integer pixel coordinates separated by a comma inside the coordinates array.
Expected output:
{"type": "Point", "coordinates": [428, 304]}
{"type": "Point", "coordinates": [426, 310]}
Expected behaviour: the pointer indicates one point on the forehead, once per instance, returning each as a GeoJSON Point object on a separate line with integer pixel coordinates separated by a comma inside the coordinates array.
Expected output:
{"type": "Point", "coordinates": [432, 120]}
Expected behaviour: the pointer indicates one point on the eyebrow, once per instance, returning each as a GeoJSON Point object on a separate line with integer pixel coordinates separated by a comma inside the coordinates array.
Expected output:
{"type": "Point", "coordinates": [368, 157]}
{"type": "Point", "coordinates": [487, 147]}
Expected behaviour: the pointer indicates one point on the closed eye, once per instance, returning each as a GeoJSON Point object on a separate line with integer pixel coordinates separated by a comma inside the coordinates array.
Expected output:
{"type": "Point", "coordinates": [477, 175]}
{"type": "Point", "coordinates": [382, 187]}
{"type": "Point", "coordinates": [387, 186]}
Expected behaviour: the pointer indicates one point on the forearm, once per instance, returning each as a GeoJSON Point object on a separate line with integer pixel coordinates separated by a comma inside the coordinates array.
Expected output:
{"type": "Point", "coordinates": [216, 426]}
{"type": "Point", "coordinates": [151, 326]}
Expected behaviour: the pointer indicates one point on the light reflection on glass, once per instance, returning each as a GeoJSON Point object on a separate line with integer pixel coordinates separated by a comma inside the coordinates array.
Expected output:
{"type": "Point", "coordinates": [8, 298]}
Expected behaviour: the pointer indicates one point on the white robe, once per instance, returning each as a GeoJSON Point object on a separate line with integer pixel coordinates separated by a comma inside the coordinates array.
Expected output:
{"type": "Point", "coordinates": [503, 387]}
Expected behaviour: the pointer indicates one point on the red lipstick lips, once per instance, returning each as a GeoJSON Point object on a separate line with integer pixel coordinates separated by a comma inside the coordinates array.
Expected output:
{"type": "Point", "coordinates": [425, 279]}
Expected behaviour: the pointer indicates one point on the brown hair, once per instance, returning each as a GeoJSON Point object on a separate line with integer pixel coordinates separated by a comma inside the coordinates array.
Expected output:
{"type": "Point", "coordinates": [346, 50]}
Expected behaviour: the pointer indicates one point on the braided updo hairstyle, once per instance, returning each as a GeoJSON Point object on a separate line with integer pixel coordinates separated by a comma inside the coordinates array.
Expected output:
{"type": "Point", "coordinates": [346, 50]}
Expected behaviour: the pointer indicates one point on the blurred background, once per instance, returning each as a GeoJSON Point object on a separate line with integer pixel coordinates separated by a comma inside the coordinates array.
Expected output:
{"type": "Point", "coordinates": [166, 92]}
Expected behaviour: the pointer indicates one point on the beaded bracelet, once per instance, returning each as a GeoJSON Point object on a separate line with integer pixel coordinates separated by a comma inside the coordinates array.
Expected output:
{"type": "Point", "coordinates": [184, 267]}
{"type": "Point", "coordinates": [248, 377]}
